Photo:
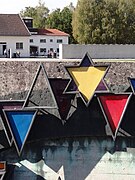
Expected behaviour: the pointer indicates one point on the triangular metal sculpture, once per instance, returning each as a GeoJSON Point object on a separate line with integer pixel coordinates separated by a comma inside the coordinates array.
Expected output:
{"type": "Point", "coordinates": [102, 87]}
{"type": "Point", "coordinates": [113, 107]}
{"type": "Point", "coordinates": [2, 169]}
{"type": "Point", "coordinates": [64, 101]}
{"type": "Point", "coordinates": [9, 104]}
{"type": "Point", "coordinates": [85, 79]}
{"type": "Point", "coordinates": [36, 105]}
{"type": "Point", "coordinates": [19, 122]}
{"type": "Point", "coordinates": [132, 84]}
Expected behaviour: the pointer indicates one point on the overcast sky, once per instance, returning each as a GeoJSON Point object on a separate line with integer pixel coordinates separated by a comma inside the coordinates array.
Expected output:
{"type": "Point", "coordinates": [15, 6]}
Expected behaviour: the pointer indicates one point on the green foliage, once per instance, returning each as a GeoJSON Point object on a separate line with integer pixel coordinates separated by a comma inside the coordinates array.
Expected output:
{"type": "Point", "coordinates": [38, 13]}
{"type": "Point", "coordinates": [104, 21]}
{"type": "Point", "coordinates": [58, 19]}
{"type": "Point", "coordinates": [61, 20]}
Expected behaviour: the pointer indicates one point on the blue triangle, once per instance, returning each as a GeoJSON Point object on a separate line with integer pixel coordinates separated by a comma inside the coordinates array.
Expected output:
{"type": "Point", "coordinates": [20, 123]}
{"type": "Point", "coordinates": [133, 83]}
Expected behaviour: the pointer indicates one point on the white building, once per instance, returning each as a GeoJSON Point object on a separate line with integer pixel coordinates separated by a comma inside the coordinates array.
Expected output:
{"type": "Point", "coordinates": [18, 36]}
{"type": "Point", "coordinates": [45, 41]}
{"type": "Point", "coordinates": [14, 35]}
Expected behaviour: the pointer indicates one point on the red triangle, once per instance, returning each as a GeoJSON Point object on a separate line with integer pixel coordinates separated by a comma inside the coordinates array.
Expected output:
{"type": "Point", "coordinates": [113, 106]}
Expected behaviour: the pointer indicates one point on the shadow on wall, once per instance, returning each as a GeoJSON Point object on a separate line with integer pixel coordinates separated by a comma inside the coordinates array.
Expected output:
{"type": "Point", "coordinates": [79, 157]}
{"type": "Point", "coordinates": [80, 145]}
{"type": "Point", "coordinates": [83, 122]}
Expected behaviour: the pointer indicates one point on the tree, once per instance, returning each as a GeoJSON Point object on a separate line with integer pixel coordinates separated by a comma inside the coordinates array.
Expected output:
{"type": "Point", "coordinates": [104, 21]}
{"type": "Point", "coordinates": [38, 13]}
{"type": "Point", "coordinates": [62, 20]}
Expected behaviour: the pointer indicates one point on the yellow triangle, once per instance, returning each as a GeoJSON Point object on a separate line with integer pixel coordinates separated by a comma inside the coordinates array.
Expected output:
{"type": "Point", "coordinates": [87, 79]}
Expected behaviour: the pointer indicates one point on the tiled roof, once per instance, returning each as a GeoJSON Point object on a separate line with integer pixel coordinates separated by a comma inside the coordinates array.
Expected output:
{"type": "Point", "coordinates": [12, 25]}
{"type": "Point", "coordinates": [51, 32]}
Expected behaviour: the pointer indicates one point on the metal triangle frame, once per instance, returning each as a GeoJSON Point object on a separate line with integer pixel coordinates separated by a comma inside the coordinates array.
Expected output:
{"type": "Point", "coordinates": [14, 140]}
{"type": "Point", "coordinates": [3, 120]}
{"type": "Point", "coordinates": [129, 80]}
{"type": "Point", "coordinates": [71, 79]}
{"type": "Point", "coordinates": [122, 115]}
{"type": "Point", "coordinates": [41, 67]}
{"type": "Point", "coordinates": [63, 94]}
{"type": "Point", "coordinates": [3, 171]}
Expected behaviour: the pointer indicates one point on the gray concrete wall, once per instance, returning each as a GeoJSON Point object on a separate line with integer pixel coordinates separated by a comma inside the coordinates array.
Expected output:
{"type": "Point", "coordinates": [97, 51]}
{"type": "Point", "coordinates": [16, 77]}
{"type": "Point", "coordinates": [81, 149]}
{"type": "Point", "coordinates": [82, 158]}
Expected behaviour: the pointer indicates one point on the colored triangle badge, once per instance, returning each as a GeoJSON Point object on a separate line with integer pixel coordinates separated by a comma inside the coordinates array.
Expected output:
{"type": "Point", "coordinates": [9, 104]}
{"type": "Point", "coordinates": [87, 80]}
{"type": "Point", "coordinates": [113, 108]}
{"type": "Point", "coordinates": [19, 122]}
{"type": "Point", "coordinates": [132, 83]}
{"type": "Point", "coordinates": [2, 169]}
{"type": "Point", "coordinates": [102, 87]}
{"type": "Point", "coordinates": [63, 100]}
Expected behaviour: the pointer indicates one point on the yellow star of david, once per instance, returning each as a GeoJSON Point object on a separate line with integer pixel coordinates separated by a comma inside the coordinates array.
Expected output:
{"type": "Point", "coordinates": [87, 78]}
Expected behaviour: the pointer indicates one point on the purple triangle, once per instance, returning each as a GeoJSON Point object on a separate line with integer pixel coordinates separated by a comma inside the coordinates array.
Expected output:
{"type": "Point", "coordinates": [101, 86]}
{"type": "Point", "coordinates": [71, 87]}
{"type": "Point", "coordinates": [63, 100]}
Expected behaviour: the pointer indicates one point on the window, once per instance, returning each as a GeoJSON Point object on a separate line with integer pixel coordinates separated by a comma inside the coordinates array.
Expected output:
{"type": "Point", "coordinates": [31, 40]}
{"type": "Point", "coordinates": [19, 45]}
{"type": "Point", "coordinates": [42, 50]}
{"type": "Point", "coordinates": [59, 41]}
{"type": "Point", "coordinates": [51, 49]}
{"type": "Point", "coordinates": [57, 50]}
{"type": "Point", "coordinates": [42, 40]}
{"type": "Point", "coordinates": [51, 40]}
{"type": "Point", "coordinates": [27, 20]}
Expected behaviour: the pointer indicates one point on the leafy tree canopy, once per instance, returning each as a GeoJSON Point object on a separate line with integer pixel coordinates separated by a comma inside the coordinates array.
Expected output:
{"type": "Point", "coordinates": [58, 19]}
{"type": "Point", "coordinates": [104, 21]}
{"type": "Point", "coordinates": [62, 20]}
{"type": "Point", "coordinates": [38, 13]}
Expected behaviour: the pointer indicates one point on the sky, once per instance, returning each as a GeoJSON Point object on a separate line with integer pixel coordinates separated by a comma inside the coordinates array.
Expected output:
{"type": "Point", "coordinates": [15, 6]}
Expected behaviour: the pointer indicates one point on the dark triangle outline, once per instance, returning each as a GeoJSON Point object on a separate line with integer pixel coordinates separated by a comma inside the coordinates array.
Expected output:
{"type": "Point", "coordinates": [14, 139]}
{"type": "Point", "coordinates": [114, 135]}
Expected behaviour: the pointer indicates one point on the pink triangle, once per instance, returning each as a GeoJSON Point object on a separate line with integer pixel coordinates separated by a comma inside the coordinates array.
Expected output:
{"type": "Point", "coordinates": [113, 106]}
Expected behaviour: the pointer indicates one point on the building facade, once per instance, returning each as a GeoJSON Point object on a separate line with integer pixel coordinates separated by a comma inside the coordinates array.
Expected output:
{"type": "Point", "coordinates": [14, 35]}
{"type": "Point", "coordinates": [46, 41]}
{"type": "Point", "coordinates": [19, 38]}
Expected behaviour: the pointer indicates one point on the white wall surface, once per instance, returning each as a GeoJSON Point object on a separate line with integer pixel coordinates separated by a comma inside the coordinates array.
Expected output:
{"type": "Point", "coordinates": [11, 44]}
{"type": "Point", "coordinates": [76, 51]}
{"type": "Point", "coordinates": [48, 44]}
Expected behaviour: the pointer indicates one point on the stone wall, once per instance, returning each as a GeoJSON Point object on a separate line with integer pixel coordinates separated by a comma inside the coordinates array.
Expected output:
{"type": "Point", "coordinates": [79, 149]}
{"type": "Point", "coordinates": [17, 77]}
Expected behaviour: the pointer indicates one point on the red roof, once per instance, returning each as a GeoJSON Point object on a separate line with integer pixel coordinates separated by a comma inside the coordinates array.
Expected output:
{"type": "Point", "coordinates": [51, 32]}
